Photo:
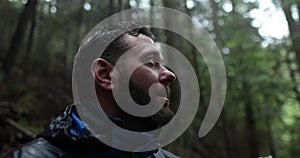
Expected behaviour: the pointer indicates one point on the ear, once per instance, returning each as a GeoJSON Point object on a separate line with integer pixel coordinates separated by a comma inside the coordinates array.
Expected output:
{"type": "Point", "coordinates": [101, 70]}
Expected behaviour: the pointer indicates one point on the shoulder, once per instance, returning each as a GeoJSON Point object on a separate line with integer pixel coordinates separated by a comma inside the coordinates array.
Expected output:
{"type": "Point", "coordinates": [38, 148]}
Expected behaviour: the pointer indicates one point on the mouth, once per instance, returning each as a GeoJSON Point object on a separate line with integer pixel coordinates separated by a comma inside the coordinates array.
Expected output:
{"type": "Point", "coordinates": [163, 94]}
{"type": "Point", "coordinates": [162, 100]}
{"type": "Point", "coordinates": [167, 102]}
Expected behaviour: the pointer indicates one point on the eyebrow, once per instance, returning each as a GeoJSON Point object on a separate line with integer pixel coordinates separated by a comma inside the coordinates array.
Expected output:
{"type": "Point", "coordinates": [155, 53]}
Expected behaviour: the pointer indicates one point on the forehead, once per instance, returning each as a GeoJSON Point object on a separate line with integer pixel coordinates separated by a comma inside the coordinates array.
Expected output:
{"type": "Point", "coordinates": [142, 45]}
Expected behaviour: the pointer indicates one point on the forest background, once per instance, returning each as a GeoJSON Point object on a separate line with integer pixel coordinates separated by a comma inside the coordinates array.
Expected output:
{"type": "Point", "coordinates": [262, 107]}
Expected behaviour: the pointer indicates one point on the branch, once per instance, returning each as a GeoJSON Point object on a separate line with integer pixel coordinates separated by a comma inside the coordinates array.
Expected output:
{"type": "Point", "coordinates": [20, 128]}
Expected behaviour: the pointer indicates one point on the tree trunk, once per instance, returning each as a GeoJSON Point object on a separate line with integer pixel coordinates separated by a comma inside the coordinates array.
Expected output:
{"type": "Point", "coordinates": [127, 5]}
{"type": "Point", "coordinates": [194, 56]}
{"type": "Point", "coordinates": [151, 13]}
{"type": "Point", "coordinates": [250, 123]}
{"type": "Point", "coordinates": [78, 24]}
{"type": "Point", "coordinates": [171, 21]}
{"type": "Point", "coordinates": [30, 42]}
{"type": "Point", "coordinates": [293, 28]}
{"type": "Point", "coordinates": [227, 139]}
{"type": "Point", "coordinates": [215, 18]}
{"type": "Point", "coordinates": [270, 140]}
{"type": "Point", "coordinates": [10, 57]}
{"type": "Point", "coordinates": [111, 8]}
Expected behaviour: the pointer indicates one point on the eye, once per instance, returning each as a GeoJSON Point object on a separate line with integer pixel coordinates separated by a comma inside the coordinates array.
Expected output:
{"type": "Point", "coordinates": [152, 62]}
{"type": "Point", "coordinates": [134, 32]}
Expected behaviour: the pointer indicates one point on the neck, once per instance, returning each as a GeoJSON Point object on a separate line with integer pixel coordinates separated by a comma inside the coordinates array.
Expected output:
{"type": "Point", "coordinates": [129, 122]}
{"type": "Point", "coordinates": [108, 104]}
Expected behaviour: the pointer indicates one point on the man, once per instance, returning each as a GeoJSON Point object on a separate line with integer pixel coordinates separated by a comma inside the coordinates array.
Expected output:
{"type": "Point", "coordinates": [140, 61]}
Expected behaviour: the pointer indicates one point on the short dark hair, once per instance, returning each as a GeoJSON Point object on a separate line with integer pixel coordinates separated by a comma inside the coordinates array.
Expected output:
{"type": "Point", "coordinates": [119, 46]}
{"type": "Point", "coordinates": [111, 42]}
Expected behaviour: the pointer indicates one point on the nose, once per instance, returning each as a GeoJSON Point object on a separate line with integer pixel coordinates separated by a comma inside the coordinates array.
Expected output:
{"type": "Point", "coordinates": [166, 76]}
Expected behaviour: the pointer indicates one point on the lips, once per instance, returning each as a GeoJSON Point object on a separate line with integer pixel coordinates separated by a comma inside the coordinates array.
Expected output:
{"type": "Point", "coordinates": [163, 94]}
{"type": "Point", "coordinates": [162, 101]}
{"type": "Point", "coordinates": [167, 102]}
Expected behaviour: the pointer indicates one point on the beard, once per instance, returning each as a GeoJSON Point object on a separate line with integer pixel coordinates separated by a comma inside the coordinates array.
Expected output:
{"type": "Point", "coordinates": [143, 124]}
{"type": "Point", "coordinates": [140, 95]}
{"type": "Point", "coordinates": [159, 119]}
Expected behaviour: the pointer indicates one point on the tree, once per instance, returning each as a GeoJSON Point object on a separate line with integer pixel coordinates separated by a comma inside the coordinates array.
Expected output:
{"type": "Point", "coordinates": [11, 54]}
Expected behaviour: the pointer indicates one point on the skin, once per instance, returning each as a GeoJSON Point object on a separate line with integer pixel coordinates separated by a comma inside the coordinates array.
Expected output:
{"type": "Point", "coordinates": [150, 70]}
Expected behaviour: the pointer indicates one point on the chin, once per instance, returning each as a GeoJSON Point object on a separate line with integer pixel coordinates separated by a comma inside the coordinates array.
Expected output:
{"type": "Point", "coordinates": [163, 117]}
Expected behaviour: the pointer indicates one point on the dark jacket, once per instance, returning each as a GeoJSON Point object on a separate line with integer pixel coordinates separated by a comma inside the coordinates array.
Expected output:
{"type": "Point", "coordinates": [67, 136]}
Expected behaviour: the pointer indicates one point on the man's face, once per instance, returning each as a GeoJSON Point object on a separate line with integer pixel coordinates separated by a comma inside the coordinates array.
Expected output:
{"type": "Point", "coordinates": [150, 70]}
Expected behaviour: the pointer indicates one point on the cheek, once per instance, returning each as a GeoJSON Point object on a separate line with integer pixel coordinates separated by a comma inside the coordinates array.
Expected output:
{"type": "Point", "coordinates": [144, 76]}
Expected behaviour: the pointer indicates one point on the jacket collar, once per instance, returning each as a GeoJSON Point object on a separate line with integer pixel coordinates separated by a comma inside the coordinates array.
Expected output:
{"type": "Point", "coordinates": [69, 133]}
